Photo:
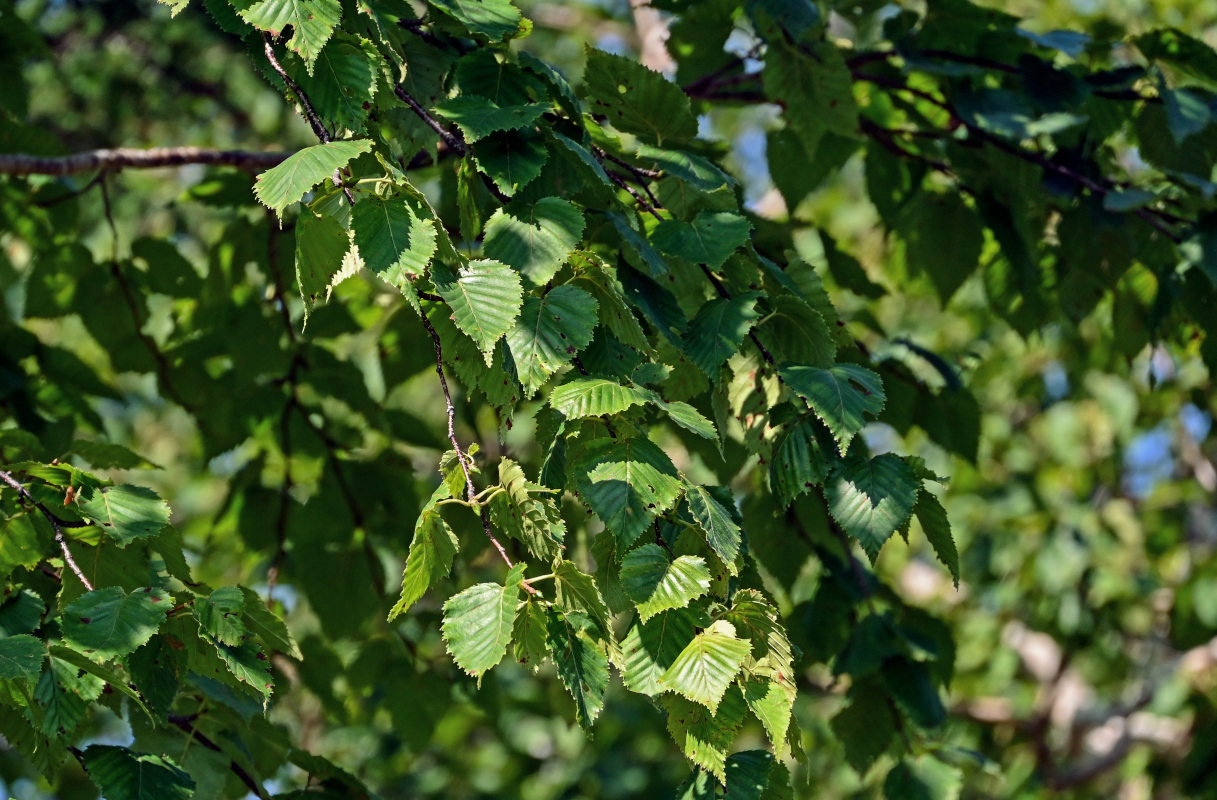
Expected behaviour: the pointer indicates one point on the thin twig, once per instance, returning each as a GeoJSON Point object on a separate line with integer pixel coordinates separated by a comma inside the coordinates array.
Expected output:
{"type": "Point", "coordinates": [461, 457]}
{"type": "Point", "coordinates": [115, 159]}
{"type": "Point", "coordinates": [641, 175]}
{"type": "Point", "coordinates": [314, 121]}
{"type": "Point", "coordinates": [56, 524]}
{"type": "Point", "coordinates": [724, 293]}
{"type": "Point", "coordinates": [451, 139]}
{"type": "Point", "coordinates": [620, 181]}
{"type": "Point", "coordinates": [415, 26]}
{"type": "Point", "coordinates": [1160, 220]}
{"type": "Point", "coordinates": [184, 723]}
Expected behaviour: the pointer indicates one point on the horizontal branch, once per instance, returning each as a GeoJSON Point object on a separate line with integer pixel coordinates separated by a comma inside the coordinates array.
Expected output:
{"type": "Point", "coordinates": [127, 157]}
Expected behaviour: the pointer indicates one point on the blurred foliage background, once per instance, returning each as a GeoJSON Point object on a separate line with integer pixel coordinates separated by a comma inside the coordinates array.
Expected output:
{"type": "Point", "coordinates": [1081, 494]}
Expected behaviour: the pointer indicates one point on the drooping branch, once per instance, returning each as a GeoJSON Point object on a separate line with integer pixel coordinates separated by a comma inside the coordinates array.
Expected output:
{"type": "Point", "coordinates": [185, 724]}
{"type": "Point", "coordinates": [57, 525]}
{"type": "Point", "coordinates": [721, 86]}
{"type": "Point", "coordinates": [461, 456]}
{"type": "Point", "coordinates": [452, 139]}
{"type": "Point", "coordinates": [118, 158]}
{"type": "Point", "coordinates": [310, 113]}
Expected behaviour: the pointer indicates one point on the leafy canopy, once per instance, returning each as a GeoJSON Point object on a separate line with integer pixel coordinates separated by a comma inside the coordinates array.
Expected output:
{"type": "Point", "coordinates": [625, 406]}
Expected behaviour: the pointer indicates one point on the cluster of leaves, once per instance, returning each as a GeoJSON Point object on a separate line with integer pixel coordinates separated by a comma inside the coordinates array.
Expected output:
{"type": "Point", "coordinates": [580, 262]}
{"type": "Point", "coordinates": [116, 618]}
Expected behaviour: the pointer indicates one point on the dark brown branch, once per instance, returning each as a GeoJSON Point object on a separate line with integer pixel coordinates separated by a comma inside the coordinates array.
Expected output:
{"type": "Point", "coordinates": [310, 114]}
{"type": "Point", "coordinates": [887, 140]}
{"type": "Point", "coordinates": [461, 457]}
{"type": "Point", "coordinates": [184, 723]}
{"type": "Point", "coordinates": [1160, 220]}
{"type": "Point", "coordinates": [118, 158]}
{"type": "Point", "coordinates": [57, 525]}
{"type": "Point", "coordinates": [619, 180]}
{"type": "Point", "coordinates": [726, 295]}
{"type": "Point", "coordinates": [449, 138]}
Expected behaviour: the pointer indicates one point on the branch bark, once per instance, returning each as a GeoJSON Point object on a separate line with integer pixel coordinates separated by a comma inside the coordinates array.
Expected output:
{"type": "Point", "coordinates": [118, 158]}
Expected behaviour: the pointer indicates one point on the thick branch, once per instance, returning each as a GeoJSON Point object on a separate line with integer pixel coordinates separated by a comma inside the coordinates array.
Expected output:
{"type": "Point", "coordinates": [118, 158]}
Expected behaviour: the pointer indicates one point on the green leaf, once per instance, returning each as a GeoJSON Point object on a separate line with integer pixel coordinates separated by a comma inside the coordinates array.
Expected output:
{"type": "Point", "coordinates": [126, 513]}
{"type": "Point", "coordinates": [431, 553]}
{"type": "Point", "coordinates": [795, 331]}
{"type": "Point", "coordinates": [635, 99]}
{"type": "Point", "coordinates": [123, 775]}
{"type": "Point", "coordinates": [872, 499]}
{"type": "Point", "coordinates": [913, 687]}
{"type": "Point", "coordinates": [549, 332]}
{"type": "Point", "coordinates": [511, 159]}
{"type": "Point", "coordinates": [576, 592]}
{"type": "Point", "coordinates": [944, 238]}
{"type": "Point", "coordinates": [718, 331]}
{"type": "Point", "coordinates": [106, 455]}
{"type": "Point", "coordinates": [708, 240]}
{"type": "Point", "coordinates": [704, 736]}
{"type": "Point", "coordinates": [488, 20]}
{"type": "Point", "coordinates": [527, 511]}
{"type": "Point", "coordinates": [536, 239]}
{"type": "Point", "coordinates": [393, 242]}
{"type": "Point", "coordinates": [707, 666]}
{"type": "Point", "coordinates": [803, 455]}
{"type": "Point", "coordinates": [528, 634]}
{"type": "Point", "coordinates": [478, 117]}
{"type": "Point", "coordinates": [772, 703]}
{"type": "Point", "coordinates": [1187, 112]}
{"type": "Point", "coordinates": [321, 243]}
{"type": "Point", "coordinates": [64, 694]}
{"type": "Point", "coordinates": [582, 666]}
{"type": "Point", "coordinates": [657, 584]}
{"type": "Point", "coordinates": [311, 21]}
{"type": "Point", "coordinates": [485, 299]}
{"type": "Point", "coordinates": [701, 173]}
{"type": "Point", "coordinates": [595, 397]}
{"type": "Point", "coordinates": [263, 623]}
{"type": "Point", "coordinates": [247, 664]}
{"type": "Point", "coordinates": [117, 679]}
{"type": "Point", "coordinates": [627, 482]}
{"type": "Point", "coordinates": [1183, 52]}
{"type": "Point", "coordinates": [290, 181]}
{"type": "Point", "coordinates": [716, 522]}
{"type": "Point", "coordinates": [21, 545]}
{"type": "Point", "coordinates": [220, 615]}
{"type": "Point", "coordinates": [813, 84]}
{"type": "Point", "coordinates": [650, 647]}
{"type": "Point", "coordinates": [839, 396]}
{"type": "Point", "coordinates": [615, 314]}
{"type": "Point", "coordinates": [175, 6]}
{"type": "Point", "coordinates": [637, 244]}
{"type": "Point", "coordinates": [478, 622]}
{"type": "Point", "coordinates": [748, 774]}
{"type": "Point", "coordinates": [756, 620]}
{"type": "Point", "coordinates": [341, 83]}
{"type": "Point", "coordinates": [865, 728]}
{"type": "Point", "coordinates": [933, 519]}
{"type": "Point", "coordinates": [109, 623]}
{"type": "Point", "coordinates": [21, 656]}
{"type": "Point", "coordinates": [687, 417]}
